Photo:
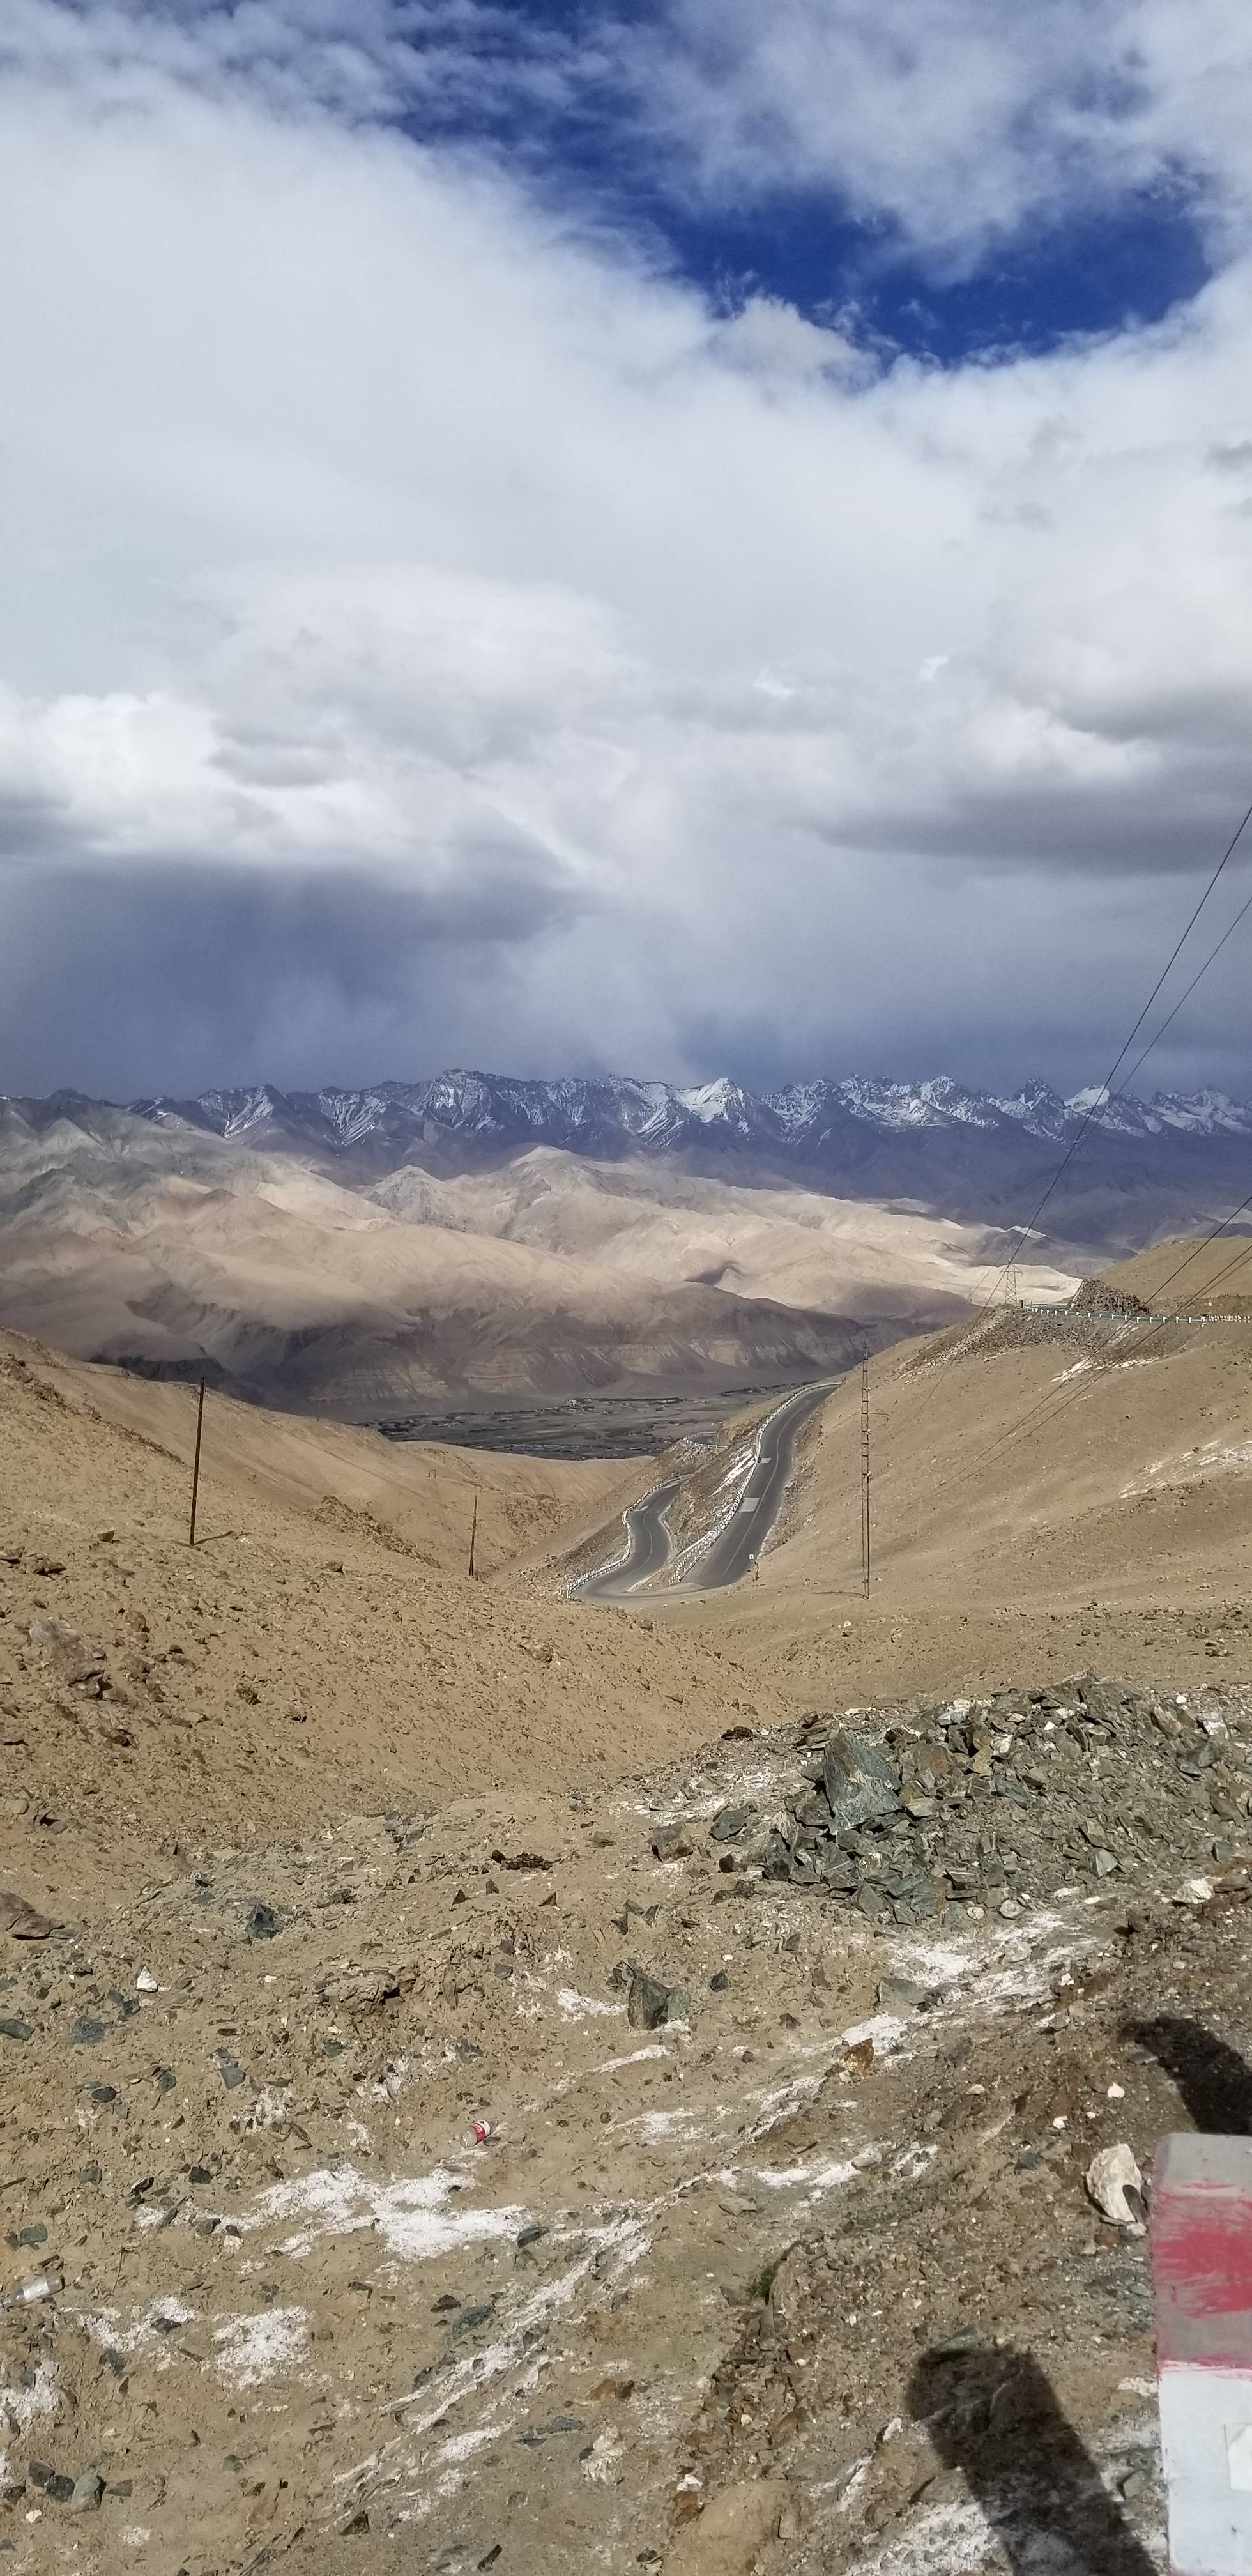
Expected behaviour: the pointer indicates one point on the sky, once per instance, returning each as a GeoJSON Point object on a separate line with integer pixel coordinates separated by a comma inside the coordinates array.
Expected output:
{"type": "Point", "coordinates": [648, 535]}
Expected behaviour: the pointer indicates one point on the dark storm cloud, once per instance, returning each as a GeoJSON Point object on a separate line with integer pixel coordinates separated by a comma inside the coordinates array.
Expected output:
{"type": "Point", "coordinates": [1177, 815]}
{"type": "Point", "coordinates": [136, 979]}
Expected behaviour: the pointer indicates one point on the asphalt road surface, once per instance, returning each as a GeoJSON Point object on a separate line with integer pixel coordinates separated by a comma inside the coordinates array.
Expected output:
{"type": "Point", "coordinates": [735, 1552]}
{"type": "Point", "coordinates": [649, 1549]}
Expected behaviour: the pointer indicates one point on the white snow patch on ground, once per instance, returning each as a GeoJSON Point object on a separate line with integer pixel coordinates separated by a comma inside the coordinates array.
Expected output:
{"type": "Point", "coordinates": [635, 2058]}
{"type": "Point", "coordinates": [250, 2349]}
{"type": "Point", "coordinates": [779, 2103]}
{"type": "Point", "coordinates": [626, 2238]}
{"type": "Point", "coordinates": [661, 2124]}
{"type": "Point", "coordinates": [1031, 1954]}
{"type": "Point", "coordinates": [21, 2406]}
{"type": "Point", "coordinates": [885, 2029]}
{"type": "Point", "coordinates": [818, 2177]}
{"type": "Point", "coordinates": [1186, 1466]}
{"type": "Point", "coordinates": [105, 2327]}
{"type": "Point", "coordinates": [413, 2215]}
{"type": "Point", "coordinates": [935, 1960]}
{"type": "Point", "coordinates": [462, 2446]}
{"type": "Point", "coordinates": [952, 2540]}
{"type": "Point", "coordinates": [578, 2007]}
{"type": "Point", "coordinates": [913, 2162]}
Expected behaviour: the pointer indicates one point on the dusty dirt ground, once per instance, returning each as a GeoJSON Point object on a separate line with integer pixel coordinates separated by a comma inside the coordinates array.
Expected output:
{"type": "Point", "coordinates": [774, 2252]}
{"type": "Point", "coordinates": [802, 2279]}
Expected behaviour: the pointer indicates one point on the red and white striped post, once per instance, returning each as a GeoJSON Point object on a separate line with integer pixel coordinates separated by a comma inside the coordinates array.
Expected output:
{"type": "Point", "coordinates": [1202, 2278]}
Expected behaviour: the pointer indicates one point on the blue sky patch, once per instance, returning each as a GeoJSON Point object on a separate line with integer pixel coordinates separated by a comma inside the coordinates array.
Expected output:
{"type": "Point", "coordinates": [553, 103]}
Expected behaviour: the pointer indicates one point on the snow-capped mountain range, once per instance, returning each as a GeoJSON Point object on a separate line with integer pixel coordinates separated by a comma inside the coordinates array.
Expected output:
{"type": "Point", "coordinates": [1145, 1166]}
{"type": "Point", "coordinates": [690, 1225]}
{"type": "Point", "coordinates": [616, 1114]}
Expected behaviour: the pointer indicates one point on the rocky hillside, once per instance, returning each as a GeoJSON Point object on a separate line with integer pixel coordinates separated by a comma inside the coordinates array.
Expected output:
{"type": "Point", "coordinates": [541, 2181]}
{"type": "Point", "coordinates": [176, 1251]}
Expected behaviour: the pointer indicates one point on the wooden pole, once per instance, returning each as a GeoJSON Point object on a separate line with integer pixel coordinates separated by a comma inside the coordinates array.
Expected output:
{"type": "Point", "coordinates": [195, 1469]}
{"type": "Point", "coordinates": [865, 1531]}
{"type": "Point", "coordinates": [473, 1536]}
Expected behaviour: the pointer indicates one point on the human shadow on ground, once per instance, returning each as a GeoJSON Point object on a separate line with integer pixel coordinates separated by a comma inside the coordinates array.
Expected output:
{"type": "Point", "coordinates": [994, 2416]}
{"type": "Point", "coordinates": [1215, 2084]}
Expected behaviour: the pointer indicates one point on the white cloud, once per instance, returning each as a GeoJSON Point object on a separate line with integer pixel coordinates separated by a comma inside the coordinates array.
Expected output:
{"type": "Point", "coordinates": [360, 59]}
{"type": "Point", "coordinates": [957, 119]}
{"type": "Point", "coordinates": [681, 685]}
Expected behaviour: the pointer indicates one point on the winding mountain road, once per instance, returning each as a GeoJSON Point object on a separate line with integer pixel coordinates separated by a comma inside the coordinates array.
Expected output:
{"type": "Point", "coordinates": [734, 1552]}
{"type": "Point", "coordinates": [648, 1549]}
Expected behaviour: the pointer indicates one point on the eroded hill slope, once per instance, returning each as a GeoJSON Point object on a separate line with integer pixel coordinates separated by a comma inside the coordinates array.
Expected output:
{"type": "Point", "coordinates": [301, 1663]}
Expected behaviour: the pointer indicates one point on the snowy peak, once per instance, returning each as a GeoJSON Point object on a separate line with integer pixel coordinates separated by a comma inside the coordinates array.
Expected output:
{"type": "Point", "coordinates": [817, 1121]}
{"type": "Point", "coordinates": [718, 1104]}
{"type": "Point", "coordinates": [1206, 1113]}
{"type": "Point", "coordinates": [1202, 1113]}
{"type": "Point", "coordinates": [938, 1102]}
{"type": "Point", "coordinates": [1039, 1109]}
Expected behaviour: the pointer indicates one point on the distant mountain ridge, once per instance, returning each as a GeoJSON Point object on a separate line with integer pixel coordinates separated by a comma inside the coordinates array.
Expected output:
{"type": "Point", "coordinates": [367, 1249]}
{"type": "Point", "coordinates": [595, 1115]}
{"type": "Point", "coordinates": [1146, 1166]}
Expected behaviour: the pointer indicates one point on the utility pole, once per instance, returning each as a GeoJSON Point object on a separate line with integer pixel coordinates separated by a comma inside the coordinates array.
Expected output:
{"type": "Point", "coordinates": [865, 1551]}
{"type": "Point", "coordinates": [473, 1536]}
{"type": "Point", "coordinates": [195, 1466]}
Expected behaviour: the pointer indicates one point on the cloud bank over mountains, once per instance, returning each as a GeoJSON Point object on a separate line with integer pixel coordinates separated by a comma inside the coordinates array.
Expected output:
{"type": "Point", "coordinates": [437, 630]}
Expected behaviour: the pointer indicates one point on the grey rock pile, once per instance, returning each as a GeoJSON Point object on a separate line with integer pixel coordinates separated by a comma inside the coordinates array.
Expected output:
{"type": "Point", "coordinates": [961, 1808]}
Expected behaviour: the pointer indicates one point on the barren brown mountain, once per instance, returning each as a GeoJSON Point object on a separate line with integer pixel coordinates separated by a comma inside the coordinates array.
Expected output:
{"type": "Point", "coordinates": [168, 1249]}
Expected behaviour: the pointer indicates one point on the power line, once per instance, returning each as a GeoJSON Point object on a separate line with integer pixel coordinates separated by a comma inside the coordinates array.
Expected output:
{"type": "Point", "coordinates": [1106, 1093]}
{"type": "Point", "coordinates": [1111, 1077]}
{"type": "Point", "coordinates": [1047, 1408]}
{"type": "Point", "coordinates": [1128, 1078]}
{"type": "Point", "coordinates": [1203, 1245]}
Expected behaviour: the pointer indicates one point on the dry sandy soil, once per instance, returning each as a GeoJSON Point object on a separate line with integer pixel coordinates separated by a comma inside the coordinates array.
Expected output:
{"type": "Point", "coordinates": [330, 1857]}
{"type": "Point", "coordinates": [172, 1248]}
{"type": "Point", "coordinates": [1047, 1460]}
{"type": "Point", "coordinates": [407, 1673]}
{"type": "Point", "coordinates": [428, 1495]}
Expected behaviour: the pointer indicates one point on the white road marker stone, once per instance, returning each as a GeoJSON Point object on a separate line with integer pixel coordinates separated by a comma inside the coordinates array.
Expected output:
{"type": "Point", "coordinates": [1202, 2278]}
